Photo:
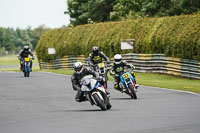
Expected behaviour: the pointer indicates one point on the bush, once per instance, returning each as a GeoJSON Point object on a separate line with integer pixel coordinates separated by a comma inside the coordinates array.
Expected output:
{"type": "Point", "coordinates": [177, 36]}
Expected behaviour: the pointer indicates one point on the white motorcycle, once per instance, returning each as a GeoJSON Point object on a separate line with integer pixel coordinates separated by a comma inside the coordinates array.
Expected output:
{"type": "Point", "coordinates": [95, 93]}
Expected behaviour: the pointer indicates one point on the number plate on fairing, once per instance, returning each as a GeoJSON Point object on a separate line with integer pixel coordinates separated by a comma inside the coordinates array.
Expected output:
{"type": "Point", "coordinates": [125, 76]}
{"type": "Point", "coordinates": [101, 65]}
{"type": "Point", "coordinates": [26, 59]}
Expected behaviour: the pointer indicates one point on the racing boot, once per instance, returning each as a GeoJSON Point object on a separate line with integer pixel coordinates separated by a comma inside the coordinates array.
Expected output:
{"type": "Point", "coordinates": [136, 86]}
{"type": "Point", "coordinates": [116, 87]}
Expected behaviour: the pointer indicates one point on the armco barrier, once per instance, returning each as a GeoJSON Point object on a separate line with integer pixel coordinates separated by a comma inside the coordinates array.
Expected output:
{"type": "Point", "coordinates": [157, 63]}
{"type": "Point", "coordinates": [65, 62]}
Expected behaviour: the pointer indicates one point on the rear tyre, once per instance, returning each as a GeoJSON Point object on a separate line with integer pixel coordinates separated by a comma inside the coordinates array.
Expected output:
{"type": "Point", "coordinates": [27, 74]}
{"type": "Point", "coordinates": [99, 101]}
{"type": "Point", "coordinates": [133, 93]}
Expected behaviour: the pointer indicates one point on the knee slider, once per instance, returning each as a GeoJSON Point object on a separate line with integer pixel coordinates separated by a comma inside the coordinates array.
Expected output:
{"type": "Point", "coordinates": [116, 86]}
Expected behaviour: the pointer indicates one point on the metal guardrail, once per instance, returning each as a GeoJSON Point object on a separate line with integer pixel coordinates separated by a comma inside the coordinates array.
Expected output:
{"type": "Point", "coordinates": [157, 63]}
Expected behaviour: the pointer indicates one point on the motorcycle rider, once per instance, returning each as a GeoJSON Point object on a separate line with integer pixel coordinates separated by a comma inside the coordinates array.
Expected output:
{"type": "Point", "coordinates": [96, 57]}
{"type": "Point", "coordinates": [24, 53]}
{"type": "Point", "coordinates": [118, 67]}
{"type": "Point", "coordinates": [80, 72]}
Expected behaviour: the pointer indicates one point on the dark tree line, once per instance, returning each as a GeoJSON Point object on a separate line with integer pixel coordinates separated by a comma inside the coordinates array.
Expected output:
{"type": "Point", "coordinates": [89, 11]}
{"type": "Point", "coordinates": [13, 40]}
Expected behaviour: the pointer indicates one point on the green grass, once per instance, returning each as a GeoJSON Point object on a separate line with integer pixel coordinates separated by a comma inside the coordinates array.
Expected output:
{"type": "Point", "coordinates": [168, 81]}
{"type": "Point", "coordinates": [155, 80]}
{"type": "Point", "coordinates": [9, 60]}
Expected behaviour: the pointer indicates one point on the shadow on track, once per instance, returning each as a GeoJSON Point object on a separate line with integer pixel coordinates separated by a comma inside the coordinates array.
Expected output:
{"type": "Point", "coordinates": [127, 98]}
{"type": "Point", "coordinates": [85, 110]}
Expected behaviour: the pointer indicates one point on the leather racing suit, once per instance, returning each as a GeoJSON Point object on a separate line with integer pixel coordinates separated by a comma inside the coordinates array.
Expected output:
{"type": "Point", "coordinates": [76, 79]}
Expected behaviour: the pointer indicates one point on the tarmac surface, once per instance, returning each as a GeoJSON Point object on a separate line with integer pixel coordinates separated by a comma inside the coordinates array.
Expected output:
{"type": "Point", "coordinates": [45, 103]}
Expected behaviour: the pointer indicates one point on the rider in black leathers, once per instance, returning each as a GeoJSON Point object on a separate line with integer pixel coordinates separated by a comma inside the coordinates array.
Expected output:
{"type": "Point", "coordinates": [24, 53]}
{"type": "Point", "coordinates": [79, 73]}
{"type": "Point", "coordinates": [96, 57]}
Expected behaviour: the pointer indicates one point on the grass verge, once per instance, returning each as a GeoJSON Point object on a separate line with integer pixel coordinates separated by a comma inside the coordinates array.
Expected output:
{"type": "Point", "coordinates": [9, 60]}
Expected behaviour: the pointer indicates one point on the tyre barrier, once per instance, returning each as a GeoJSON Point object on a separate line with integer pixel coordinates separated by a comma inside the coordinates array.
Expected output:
{"type": "Point", "coordinates": [156, 63]}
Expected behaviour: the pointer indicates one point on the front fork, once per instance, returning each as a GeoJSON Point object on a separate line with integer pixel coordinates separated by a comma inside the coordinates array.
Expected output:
{"type": "Point", "coordinates": [131, 82]}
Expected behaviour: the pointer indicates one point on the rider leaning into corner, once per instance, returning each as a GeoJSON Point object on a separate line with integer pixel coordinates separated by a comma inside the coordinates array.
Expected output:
{"type": "Point", "coordinates": [24, 53]}
{"type": "Point", "coordinates": [117, 68]}
{"type": "Point", "coordinates": [96, 57]}
{"type": "Point", "coordinates": [80, 72]}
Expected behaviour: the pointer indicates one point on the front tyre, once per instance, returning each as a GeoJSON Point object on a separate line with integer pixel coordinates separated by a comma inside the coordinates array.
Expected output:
{"type": "Point", "coordinates": [108, 106]}
{"type": "Point", "coordinates": [99, 101]}
{"type": "Point", "coordinates": [133, 93]}
{"type": "Point", "coordinates": [26, 72]}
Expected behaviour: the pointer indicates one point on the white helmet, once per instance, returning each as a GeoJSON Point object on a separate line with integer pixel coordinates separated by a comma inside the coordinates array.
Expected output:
{"type": "Point", "coordinates": [117, 59]}
{"type": "Point", "coordinates": [78, 67]}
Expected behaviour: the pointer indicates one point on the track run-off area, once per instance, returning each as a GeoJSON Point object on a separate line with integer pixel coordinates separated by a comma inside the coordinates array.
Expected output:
{"type": "Point", "coordinates": [45, 103]}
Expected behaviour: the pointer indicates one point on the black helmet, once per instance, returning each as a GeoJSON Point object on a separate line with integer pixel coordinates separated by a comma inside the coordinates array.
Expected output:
{"type": "Point", "coordinates": [95, 50]}
{"type": "Point", "coordinates": [26, 48]}
{"type": "Point", "coordinates": [78, 67]}
{"type": "Point", "coordinates": [117, 59]}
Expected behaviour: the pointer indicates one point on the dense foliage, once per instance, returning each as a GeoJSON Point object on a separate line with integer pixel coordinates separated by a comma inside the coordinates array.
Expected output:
{"type": "Point", "coordinates": [177, 36]}
{"type": "Point", "coordinates": [12, 40]}
{"type": "Point", "coordinates": [89, 11]}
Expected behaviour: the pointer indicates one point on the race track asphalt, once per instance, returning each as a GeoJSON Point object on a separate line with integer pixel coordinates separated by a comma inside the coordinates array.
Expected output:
{"type": "Point", "coordinates": [44, 103]}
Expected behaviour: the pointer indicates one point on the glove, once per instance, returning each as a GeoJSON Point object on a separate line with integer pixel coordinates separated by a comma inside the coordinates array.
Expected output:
{"type": "Point", "coordinates": [111, 72]}
{"type": "Point", "coordinates": [33, 57]}
{"type": "Point", "coordinates": [19, 57]}
{"type": "Point", "coordinates": [108, 62]}
{"type": "Point", "coordinates": [78, 89]}
{"type": "Point", "coordinates": [133, 67]}
{"type": "Point", "coordinates": [99, 78]}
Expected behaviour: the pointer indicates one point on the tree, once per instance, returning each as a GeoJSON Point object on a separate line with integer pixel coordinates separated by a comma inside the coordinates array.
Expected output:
{"type": "Point", "coordinates": [189, 6]}
{"type": "Point", "coordinates": [125, 7]}
{"type": "Point", "coordinates": [77, 9]}
{"type": "Point", "coordinates": [36, 34]}
{"type": "Point", "coordinates": [13, 40]}
{"type": "Point", "coordinates": [85, 11]}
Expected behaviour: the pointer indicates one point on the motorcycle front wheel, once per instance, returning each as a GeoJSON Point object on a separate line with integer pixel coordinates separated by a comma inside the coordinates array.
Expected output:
{"type": "Point", "coordinates": [99, 102]}
{"type": "Point", "coordinates": [133, 93]}
{"type": "Point", "coordinates": [26, 73]}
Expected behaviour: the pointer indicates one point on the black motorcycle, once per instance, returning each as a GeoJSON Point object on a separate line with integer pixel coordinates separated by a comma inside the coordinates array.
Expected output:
{"type": "Point", "coordinates": [26, 69]}
{"type": "Point", "coordinates": [102, 69]}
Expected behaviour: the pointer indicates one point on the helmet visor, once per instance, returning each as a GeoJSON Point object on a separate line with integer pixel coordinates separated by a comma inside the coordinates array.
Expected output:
{"type": "Point", "coordinates": [78, 69]}
{"type": "Point", "coordinates": [118, 60]}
